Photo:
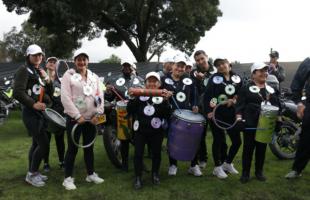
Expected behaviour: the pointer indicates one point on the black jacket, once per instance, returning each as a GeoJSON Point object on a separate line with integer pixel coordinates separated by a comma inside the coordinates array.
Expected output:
{"type": "Point", "coordinates": [178, 87]}
{"type": "Point", "coordinates": [122, 90]}
{"type": "Point", "coordinates": [249, 103]}
{"type": "Point", "coordinates": [279, 73]}
{"type": "Point", "coordinates": [26, 85]}
{"type": "Point", "coordinates": [301, 80]}
{"type": "Point", "coordinates": [202, 84]}
{"type": "Point", "coordinates": [136, 106]}
{"type": "Point", "coordinates": [216, 91]}
{"type": "Point", "coordinates": [57, 105]}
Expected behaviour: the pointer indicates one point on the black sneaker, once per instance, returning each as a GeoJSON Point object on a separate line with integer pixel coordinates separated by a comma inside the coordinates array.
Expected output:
{"type": "Point", "coordinates": [260, 176]}
{"type": "Point", "coordinates": [46, 167]}
{"type": "Point", "coordinates": [138, 183]}
{"type": "Point", "coordinates": [244, 179]}
{"type": "Point", "coordinates": [61, 165]}
{"type": "Point", "coordinates": [155, 179]}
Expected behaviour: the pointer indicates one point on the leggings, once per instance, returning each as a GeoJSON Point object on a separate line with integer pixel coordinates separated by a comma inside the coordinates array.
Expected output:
{"type": "Point", "coordinates": [36, 125]}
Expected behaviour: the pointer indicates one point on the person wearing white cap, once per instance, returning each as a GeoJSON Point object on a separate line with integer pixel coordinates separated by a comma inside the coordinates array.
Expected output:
{"type": "Point", "coordinates": [249, 101]}
{"type": "Point", "coordinates": [120, 84]}
{"type": "Point", "coordinates": [82, 101]}
{"type": "Point", "coordinates": [148, 126]}
{"type": "Point", "coordinates": [167, 67]}
{"type": "Point", "coordinates": [184, 91]}
{"type": "Point", "coordinates": [51, 65]}
{"type": "Point", "coordinates": [32, 89]}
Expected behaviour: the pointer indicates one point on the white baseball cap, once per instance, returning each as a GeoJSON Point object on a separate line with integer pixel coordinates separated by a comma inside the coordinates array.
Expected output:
{"type": "Point", "coordinates": [258, 65]}
{"type": "Point", "coordinates": [168, 60]}
{"type": "Point", "coordinates": [80, 52]}
{"type": "Point", "coordinates": [154, 74]}
{"type": "Point", "coordinates": [179, 58]}
{"type": "Point", "coordinates": [33, 50]}
{"type": "Point", "coordinates": [51, 58]}
{"type": "Point", "coordinates": [130, 63]}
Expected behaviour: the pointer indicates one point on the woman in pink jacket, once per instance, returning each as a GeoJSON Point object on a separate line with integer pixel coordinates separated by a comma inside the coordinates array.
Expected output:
{"type": "Point", "coordinates": [82, 101]}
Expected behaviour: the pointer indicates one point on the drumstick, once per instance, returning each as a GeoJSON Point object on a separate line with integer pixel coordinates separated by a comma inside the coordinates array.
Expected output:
{"type": "Point", "coordinates": [227, 124]}
{"type": "Point", "coordinates": [118, 95]}
{"type": "Point", "coordinates": [41, 94]}
{"type": "Point", "coordinates": [176, 104]}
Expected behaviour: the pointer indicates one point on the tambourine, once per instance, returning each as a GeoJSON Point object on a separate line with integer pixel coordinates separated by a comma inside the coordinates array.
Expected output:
{"type": "Point", "coordinates": [77, 143]}
{"type": "Point", "coordinates": [218, 122]}
{"type": "Point", "coordinates": [146, 92]}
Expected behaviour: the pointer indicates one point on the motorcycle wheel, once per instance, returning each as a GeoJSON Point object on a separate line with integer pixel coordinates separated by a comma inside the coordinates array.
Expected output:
{"type": "Point", "coordinates": [112, 146]}
{"type": "Point", "coordinates": [284, 143]}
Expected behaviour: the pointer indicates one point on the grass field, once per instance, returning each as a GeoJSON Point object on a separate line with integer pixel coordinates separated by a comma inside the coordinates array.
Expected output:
{"type": "Point", "coordinates": [14, 145]}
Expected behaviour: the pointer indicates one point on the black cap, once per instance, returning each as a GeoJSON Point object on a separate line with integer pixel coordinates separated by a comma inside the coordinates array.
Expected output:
{"type": "Point", "coordinates": [219, 61]}
{"type": "Point", "coordinates": [274, 54]}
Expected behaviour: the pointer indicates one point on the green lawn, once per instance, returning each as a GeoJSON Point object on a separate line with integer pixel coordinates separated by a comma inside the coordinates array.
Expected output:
{"type": "Point", "coordinates": [14, 145]}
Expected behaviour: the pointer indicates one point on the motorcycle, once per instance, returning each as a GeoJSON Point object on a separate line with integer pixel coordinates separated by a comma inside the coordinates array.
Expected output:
{"type": "Point", "coordinates": [111, 142]}
{"type": "Point", "coordinates": [284, 143]}
{"type": "Point", "coordinates": [6, 98]}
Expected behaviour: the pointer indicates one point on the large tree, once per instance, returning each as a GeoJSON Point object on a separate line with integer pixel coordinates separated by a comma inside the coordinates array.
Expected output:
{"type": "Point", "coordinates": [138, 23]}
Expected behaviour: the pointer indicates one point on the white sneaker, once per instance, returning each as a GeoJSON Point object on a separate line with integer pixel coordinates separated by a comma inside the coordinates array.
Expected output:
{"type": "Point", "coordinates": [172, 170]}
{"type": "Point", "coordinates": [43, 177]}
{"type": "Point", "coordinates": [292, 174]}
{"type": "Point", "coordinates": [69, 183]}
{"type": "Point", "coordinates": [229, 168]}
{"type": "Point", "coordinates": [202, 164]}
{"type": "Point", "coordinates": [34, 179]}
{"type": "Point", "coordinates": [219, 172]}
{"type": "Point", "coordinates": [195, 171]}
{"type": "Point", "coordinates": [94, 178]}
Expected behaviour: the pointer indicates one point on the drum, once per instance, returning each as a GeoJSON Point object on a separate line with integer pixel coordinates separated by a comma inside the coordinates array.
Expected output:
{"type": "Point", "coordinates": [123, 122]}
{"type": "Point", "coordinates": [266, 123]}
{"type": "Point", "coordinates": [185, 133]}
{"type": "Point", "coordinates": [57, 123]}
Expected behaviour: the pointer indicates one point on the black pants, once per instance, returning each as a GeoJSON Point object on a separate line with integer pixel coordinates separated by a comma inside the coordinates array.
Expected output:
{"type": "Point", "coordinates": [87, 130]}
{"type": "Point", "coordinates": [124, 152]}
{"type": "Point", "coordinates": [36, 125]}
{"type": "Point", "coordinates": [152, 138]}
{"type": "Point", "coordinates": [303, 149]}
{"type": "Point", "coordinates": [60, 145]}
{"type": "Point", "coordinates": [249, 145]}
{"type": "Point", "coordinates": [219, 145]}
{"type": "Point", "coordinates": [202, 152]}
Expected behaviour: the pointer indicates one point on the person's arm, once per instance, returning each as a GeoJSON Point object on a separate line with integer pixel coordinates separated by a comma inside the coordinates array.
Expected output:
{"type": "Point", "coordinates": [101, 96]}
{"type": "Point", "coordinates": [132, 106]}
{"type": "Point", "coordinates": [241, 101]}
{"type": "Point", "coordinates": [19, 88]}
{"type": "Point", "coordinates": [208, 95]}
{"type": "Point", "coordinates": [300, 78]}
{"type": "Point", "coordinates": [279, 73]}
{"type": "Point", "coordinates": [66, 97]}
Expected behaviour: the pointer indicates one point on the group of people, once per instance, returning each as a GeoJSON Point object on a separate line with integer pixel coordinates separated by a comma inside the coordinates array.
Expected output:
{"type": "Point", "coordinates": [212, 89]}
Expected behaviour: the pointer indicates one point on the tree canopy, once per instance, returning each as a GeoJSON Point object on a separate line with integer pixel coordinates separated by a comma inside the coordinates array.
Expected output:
{"type": "Point", "coordinates": [139, 23]}
{"type": "Point", "coordinates": [113, 59]}
{"type": "Point", "coordinates": [14, 43]}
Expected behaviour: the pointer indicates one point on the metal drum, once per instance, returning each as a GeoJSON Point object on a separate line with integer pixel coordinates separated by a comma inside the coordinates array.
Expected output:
{"type": "Point", "coordinates": [266, 123]}
{"type": "Point", "coordinates": [56, 122]}
{"type": "Point", "coordinates": [123, 122]}
{"type": "Point", "coordinates": [185, 133]}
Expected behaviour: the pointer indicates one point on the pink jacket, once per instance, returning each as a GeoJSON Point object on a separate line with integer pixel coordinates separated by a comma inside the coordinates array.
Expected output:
{"type": "Point", "coordinates": [78, 96]}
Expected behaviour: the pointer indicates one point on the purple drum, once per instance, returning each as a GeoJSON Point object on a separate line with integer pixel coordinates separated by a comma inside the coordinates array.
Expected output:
{"type": "Point", "coordinates": [185, 133]}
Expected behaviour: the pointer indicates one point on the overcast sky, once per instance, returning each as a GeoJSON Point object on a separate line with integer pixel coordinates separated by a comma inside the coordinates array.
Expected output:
{"type": "Point", "coordinates": [246, 32]}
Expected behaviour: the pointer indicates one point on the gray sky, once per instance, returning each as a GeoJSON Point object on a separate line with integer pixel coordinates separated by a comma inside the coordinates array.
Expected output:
{"type": "Point", "coordinates": [246, 32]}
